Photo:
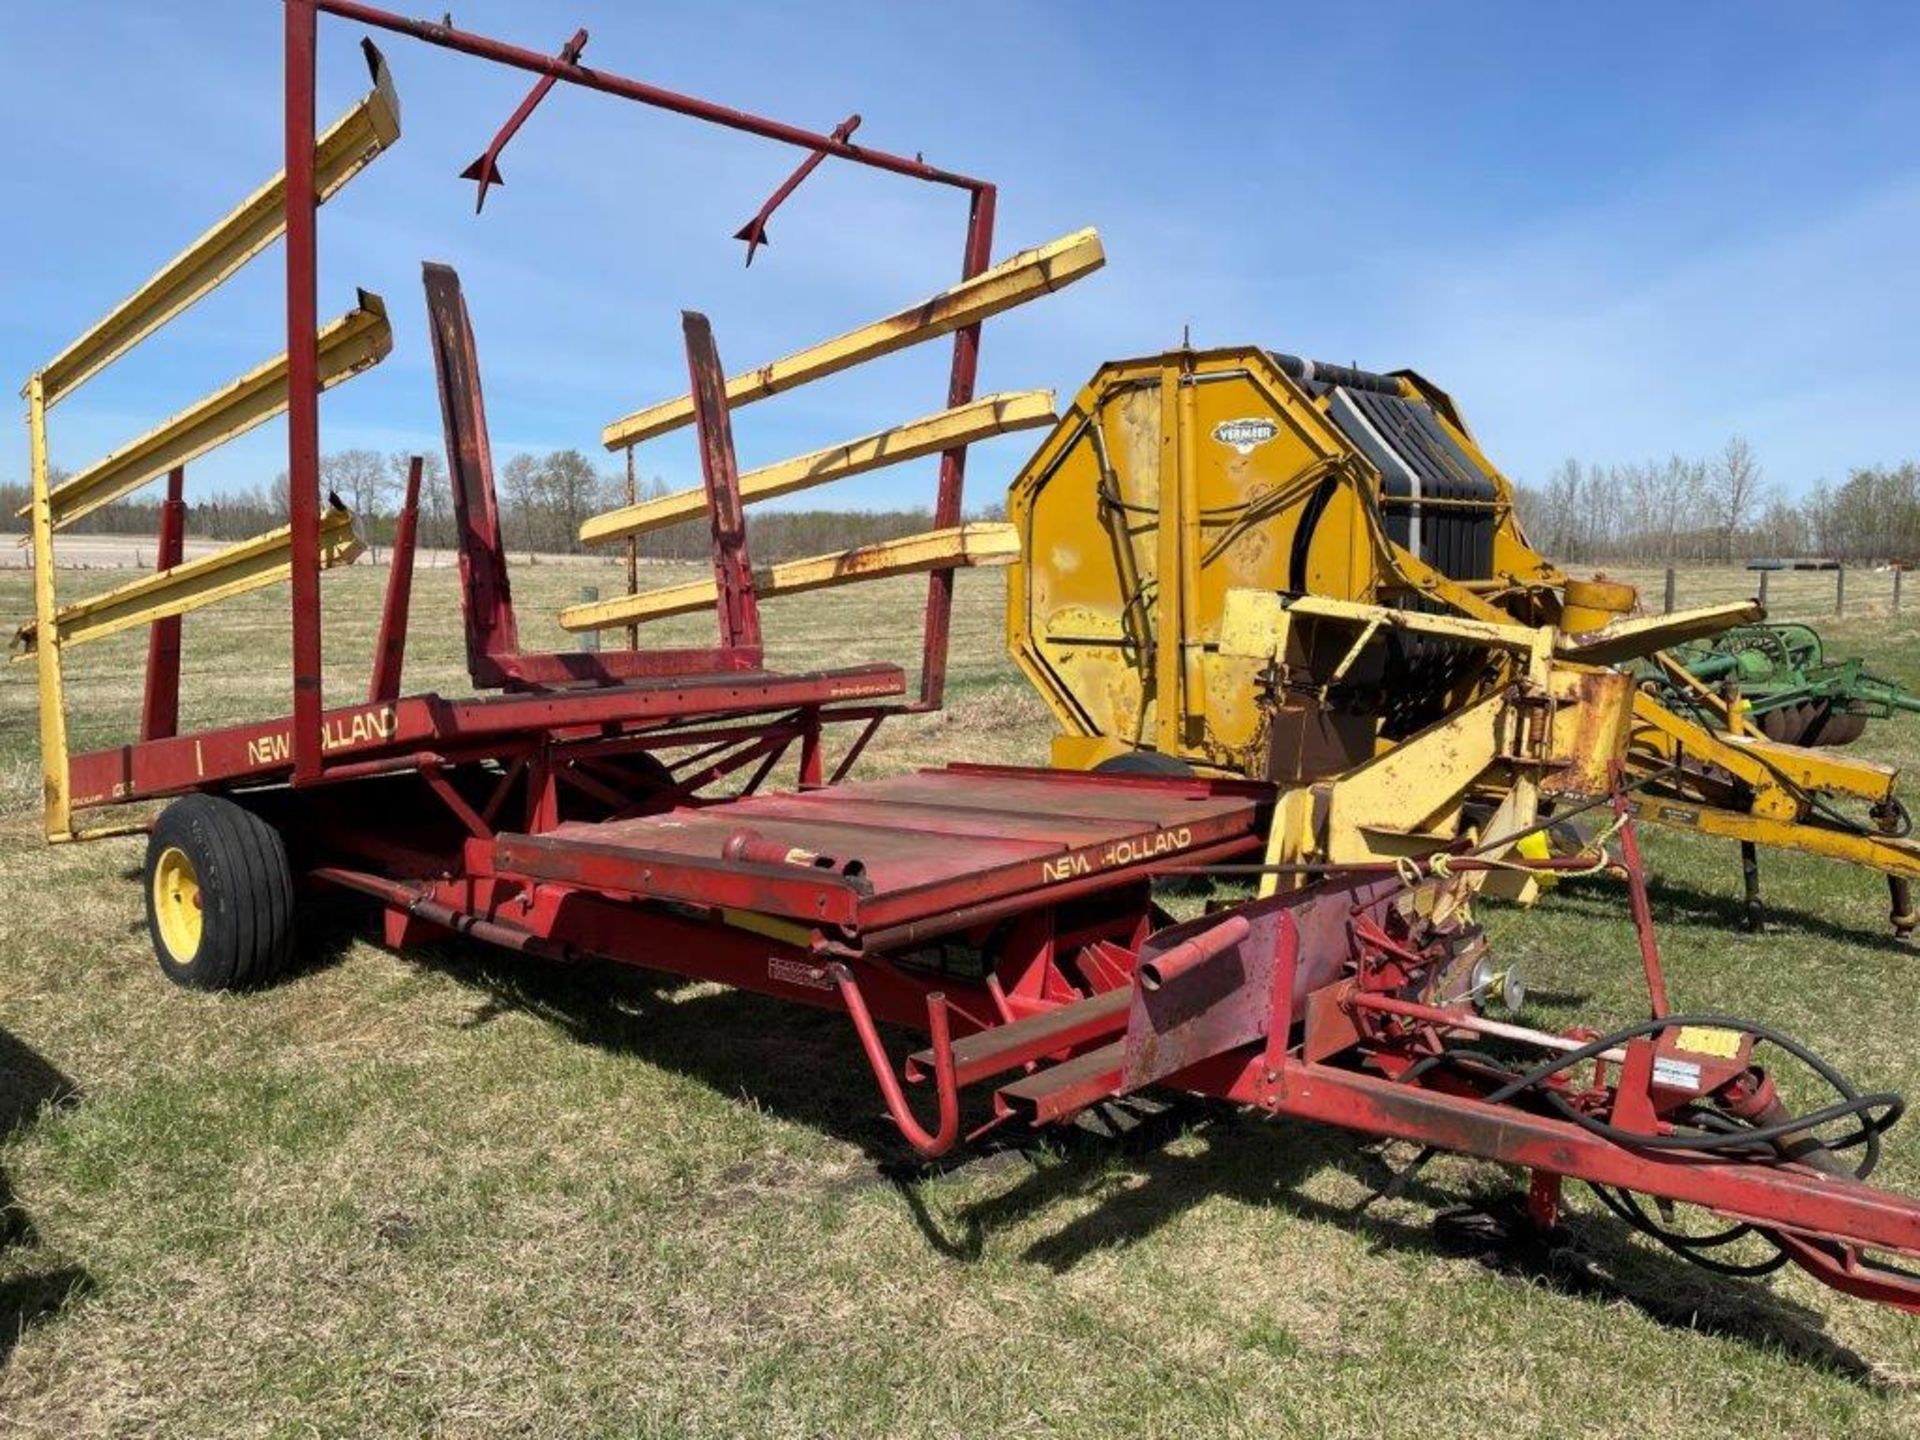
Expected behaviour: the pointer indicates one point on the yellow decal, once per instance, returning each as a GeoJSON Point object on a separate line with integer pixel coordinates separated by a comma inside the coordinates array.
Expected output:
{"type": "Point", "coordinates": [338, 734]}
{"type": "Point", "coordinates": [1708, 1040]}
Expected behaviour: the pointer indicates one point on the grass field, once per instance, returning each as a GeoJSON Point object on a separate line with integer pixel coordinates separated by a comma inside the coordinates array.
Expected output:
{"type": "Point", "coordinates": [449, 1193]}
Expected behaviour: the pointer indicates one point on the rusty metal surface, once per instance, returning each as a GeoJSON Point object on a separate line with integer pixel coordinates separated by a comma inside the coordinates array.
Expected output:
{"type": "Point", "coordinates": [928, 843]}
{"type": "Point", "coordinates": [1225, 1001]}
{"type": "Point", "coordinates": [739, 606]}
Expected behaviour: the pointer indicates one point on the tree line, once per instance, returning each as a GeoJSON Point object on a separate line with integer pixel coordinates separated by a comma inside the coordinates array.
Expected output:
{"type": "Point", "coordinates": [1671, 511]}
{"type": "Point", "coordinates": [543, 498]}
{"type": "Point", "coordinates": [1719, 509]}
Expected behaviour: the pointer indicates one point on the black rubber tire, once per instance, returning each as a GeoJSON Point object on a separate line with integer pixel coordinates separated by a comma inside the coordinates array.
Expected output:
{"type": "Point", "coordinates": [245, 891]}
{"type": "Point", "coordinates": [1144, 762]}
{"type": "Point", "coordinates": [1567, 837]}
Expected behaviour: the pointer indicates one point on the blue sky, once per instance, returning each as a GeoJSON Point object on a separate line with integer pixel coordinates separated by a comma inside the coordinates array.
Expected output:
{"type": "Point", "coordinates": [1611, 231]}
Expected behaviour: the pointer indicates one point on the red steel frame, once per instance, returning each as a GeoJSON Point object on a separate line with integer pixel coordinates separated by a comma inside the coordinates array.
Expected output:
{"type": "Point", "coordinates": [308, 752]}
{"type": "Point", "coordinates": [314, 744]}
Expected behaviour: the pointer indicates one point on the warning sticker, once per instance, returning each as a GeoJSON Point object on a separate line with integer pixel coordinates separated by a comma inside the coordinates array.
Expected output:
{"type": "Point", "coordinates": [1675, 1074]}
{"type": "Point", "coordinates": [1708, 1040]}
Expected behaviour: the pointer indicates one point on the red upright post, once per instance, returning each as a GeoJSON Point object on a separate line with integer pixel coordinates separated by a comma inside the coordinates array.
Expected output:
{"type": "Point", "coordinates": [739, 607]}
{"type": "Point", "coordinates": [160, 710]}
{"type": "Point", "coordinates": [953, 463]}
{"type": "Point", "coordinates": [303, 393]}
{"type": "Point", "coordinates": [390, 650]}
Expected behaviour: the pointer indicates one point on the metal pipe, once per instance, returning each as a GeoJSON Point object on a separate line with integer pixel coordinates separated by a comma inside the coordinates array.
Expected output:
{"type": "Point", "coordinates": [1642, 909]}
{"type": "Point", "coordinates": [948, 500]}
{"type": "Point", "coordinates": [451, 38]}
{"type": "Point", "coordinates": [1170, 965]}
{"type": "Point", "coordinates": [927, 1144]}
{"type": "Point", "coordinates": [424, 907]}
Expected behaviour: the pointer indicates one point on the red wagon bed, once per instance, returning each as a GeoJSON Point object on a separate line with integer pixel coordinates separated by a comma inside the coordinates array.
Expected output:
{"type": "Point", "coordinates": [932, 849]}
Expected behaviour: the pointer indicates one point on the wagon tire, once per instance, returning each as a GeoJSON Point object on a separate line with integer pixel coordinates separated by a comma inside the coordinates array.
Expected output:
{"type": "Point", "coordinates": [219, 896]}
{"type": "Point", "coordinates": [1145, 762]}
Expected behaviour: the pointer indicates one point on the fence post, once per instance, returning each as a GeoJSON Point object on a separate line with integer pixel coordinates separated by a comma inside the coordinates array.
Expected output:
{"type": "Point", "coordinates": [1669, 608]}
{"type": "Point", "coordinates": [589, 639]}
{"type": "Point", "coordinates": [1840, 588]}
{"type": "Point", "coordinates": [1764, 574]}
{"type": "Point", "coordinates": [1898, 571]}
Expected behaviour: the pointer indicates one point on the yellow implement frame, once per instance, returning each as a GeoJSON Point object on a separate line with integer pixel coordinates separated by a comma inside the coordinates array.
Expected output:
{"type": "Point", "coordinates": [347, 147]}
{"type": "Point", "coordinates": [929, 435]}
{"type": "Point", "coordinates": [1027, 276]}
{"type": "Point", "coordinates": [354, 342]}
{"type": "Point", "coordinates": [978, 544]}
{"type": "Point", "coordinates": [1177, 483]}
{"type": "Point", "coordinates": [228, 572]}
{"type": "Point", "coordinates": [357, 340]}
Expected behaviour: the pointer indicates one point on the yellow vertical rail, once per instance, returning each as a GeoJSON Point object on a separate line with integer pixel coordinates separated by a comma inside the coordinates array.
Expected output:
{"type": "Point", "coordinates": [53, 712]}
{"type": "Point", "coordinates": [1169, 624]}
{"type": "Point", "coordinates": [1193, 685]}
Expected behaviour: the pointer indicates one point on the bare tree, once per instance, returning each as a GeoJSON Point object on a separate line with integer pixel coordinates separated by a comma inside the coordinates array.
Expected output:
{"type": "Point", "coordinates": [1736, 483]}
{"type": "Point", "coordinates": [520, 481]}
{"type": "Point", "coordinates": [570, 490]}
{"type": "Point", "coordinates": [361, 478]}
{"type": "Point", "coordinates": [436, 495]}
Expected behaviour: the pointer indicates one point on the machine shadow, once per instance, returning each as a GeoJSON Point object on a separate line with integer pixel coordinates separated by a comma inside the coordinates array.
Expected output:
{"type": "Point", "coordinates": [1678, 903]}
{"type": "Point", "coordinates": [34, 1283]}
{"type": "Point", "coordinates": [806, 1066]}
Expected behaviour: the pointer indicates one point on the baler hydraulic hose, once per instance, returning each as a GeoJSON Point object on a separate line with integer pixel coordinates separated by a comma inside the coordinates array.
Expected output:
{"type": "Point", "coordinates": [947, 1087]}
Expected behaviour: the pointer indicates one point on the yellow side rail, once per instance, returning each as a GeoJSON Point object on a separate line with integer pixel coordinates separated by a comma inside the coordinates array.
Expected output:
{"type": "Point", "coordinates": [984, 543]}
{"type": "Point", "coordinates": [356, 341]}
{"type": "Point", "coordinates": [1026, 276]}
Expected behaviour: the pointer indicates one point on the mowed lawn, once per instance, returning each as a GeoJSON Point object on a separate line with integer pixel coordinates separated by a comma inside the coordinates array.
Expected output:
{"type": "Point", "coordinates": [453, 1193]}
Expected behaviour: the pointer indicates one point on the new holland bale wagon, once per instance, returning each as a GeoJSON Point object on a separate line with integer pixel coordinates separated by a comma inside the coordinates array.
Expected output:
{"type": "Point", "coordinates": [620, 804]}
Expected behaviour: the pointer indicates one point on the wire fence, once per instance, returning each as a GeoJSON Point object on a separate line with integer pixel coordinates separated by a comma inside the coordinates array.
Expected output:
{"type": "Point", "coordinates": [1787, 594]}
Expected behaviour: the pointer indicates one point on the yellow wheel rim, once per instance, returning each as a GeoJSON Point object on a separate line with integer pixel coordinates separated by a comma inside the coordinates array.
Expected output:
{"type": "Point", "coordinates": [176, 904]}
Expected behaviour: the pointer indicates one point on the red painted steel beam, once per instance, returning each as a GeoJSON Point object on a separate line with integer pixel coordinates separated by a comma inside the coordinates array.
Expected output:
{"type": "Point", "coordinates": [160, 708]}
{"type": "Point", "coordinates": [390, 649]}
{"type": "Point", "coordinates": [486, 592]}
{"type": "Point", "coordinates": [486, 170]}
{"type": "Point", "coordinates": [303, 391]}
{"type": "Point", "coordinates": [949, 499]}
{"type": "Point", "coordinates": [736, 603]}
{"type": "Point", "coordinates": [1768, 1195]}
{"type": "Point", "coordinates": [754, 232]}
{"type": "Point", "coordinates": [263, 750]}
{"type": "Point", "coordinates": [452, 38]}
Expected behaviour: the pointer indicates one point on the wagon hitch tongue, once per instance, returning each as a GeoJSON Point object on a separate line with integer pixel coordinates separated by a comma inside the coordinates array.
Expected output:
{"type": "Point", "coordinates": [1345, 1005]}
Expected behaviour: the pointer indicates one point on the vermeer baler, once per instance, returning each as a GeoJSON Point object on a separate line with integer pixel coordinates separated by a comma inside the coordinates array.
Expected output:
{"type": "Point", "coordinates": [1189, 503]}
{"type": "Point", "coordinates": [620, 805]}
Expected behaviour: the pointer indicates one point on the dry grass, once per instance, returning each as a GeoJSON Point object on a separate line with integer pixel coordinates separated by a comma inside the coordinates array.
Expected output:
{"type": "Point", "coordinates": [450, 1194]}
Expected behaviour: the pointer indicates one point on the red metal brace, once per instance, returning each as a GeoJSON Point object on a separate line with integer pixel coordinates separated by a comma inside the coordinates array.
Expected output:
{"type": "Point", "coordinates": [160, 710]}
{"type": "Point", "coordinates": [732, 570]}
{"type": "Point", "coordinates": [486, 170]}
{"type": "Point", "coordinates": [390, 649]}
{"type": "Point", "coordinates": [754, 232]}
{"type": "Point", "coordinates": [928, 1144]}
